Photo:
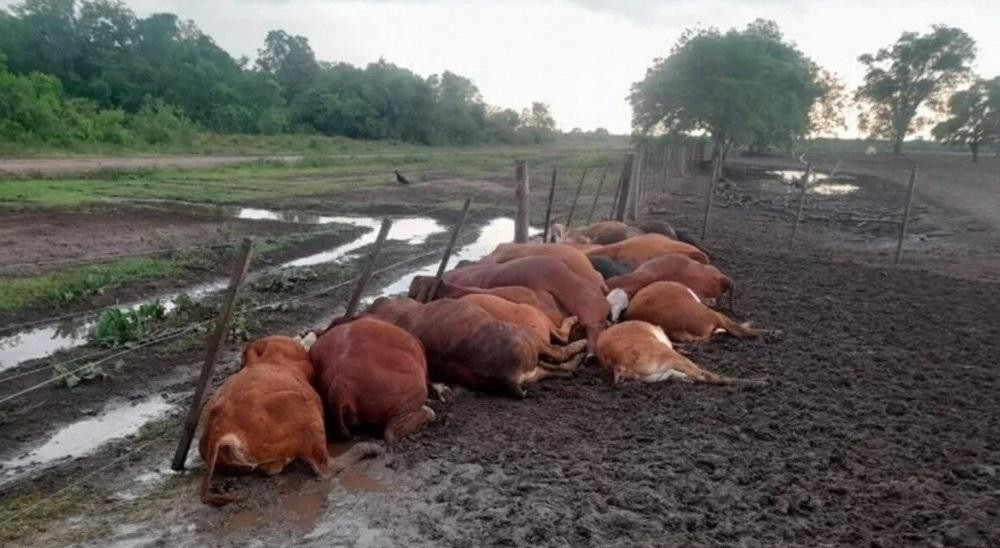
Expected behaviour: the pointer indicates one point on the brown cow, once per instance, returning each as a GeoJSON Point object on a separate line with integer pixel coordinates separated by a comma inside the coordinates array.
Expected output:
{"type": "Point", "coordinates": [421, 287]}
{"type": "Point", "coordinates": [705, 280]}
{"type": "Point", "coordinates": [675, 308]}
{"type": "Point", "coordinates": [601, 233]}
{"type": "Point", "coordinates": [641, 351]}
{"type": "Point", "coordinates": [575, 294]}
{"type": "Point", "coordinates": [639, 249]}
{"type": "Point", "coordinates": [372, 374]}
{"type": "Point", "coordinates": [575, 259]}
{"type": "Point", "coordinates": [524, 315]}
{"type": "Point", "coordinates": [267, 415]}
{"type": "Point", "coordinates": [467, 346]}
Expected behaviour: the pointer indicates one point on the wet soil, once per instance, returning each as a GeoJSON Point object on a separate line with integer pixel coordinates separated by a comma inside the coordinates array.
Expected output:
{"type": "Point", "coordinates": [879, 425]}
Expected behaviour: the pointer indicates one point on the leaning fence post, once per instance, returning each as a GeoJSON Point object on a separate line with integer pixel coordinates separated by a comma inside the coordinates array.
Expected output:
{"type": "Point", "coordinates": [366, 271]}
{"type": "Point", "coordinates": [716, 168]}
{"type": "Point", "coordinates": [521, 193]}
{"type": "Point", "coordinates": [802, 202]}
{"type": "Point", "coordinates": [597, 195]}
{"type": "Point", "coordinates": [616, 198]}
{"type": "Point", "coordinates": [906, 215]}
{"type": "Point", "coordinates": [624, 187]}
{"type": "Point", "coordinates": [451, 246]}
{"type": "Point", "coordinates": [548, 206]}
{"type": "Point", "coordinates": [579, 187]}
{"type": "Point", "coordinates": [212, 351]}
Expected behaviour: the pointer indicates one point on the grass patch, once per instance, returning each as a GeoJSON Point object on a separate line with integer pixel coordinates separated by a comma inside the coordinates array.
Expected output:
{"type": "Point", "coordinates": [63, 287]}
{"type": "Point", "coordinates": [316, 173]}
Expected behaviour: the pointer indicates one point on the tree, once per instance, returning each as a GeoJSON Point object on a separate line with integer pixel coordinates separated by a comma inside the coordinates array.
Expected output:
{"type": "Point", "coordinates": [917, 69]}
{"type": "Point", "coordinates": [974, 117]}
{"type": "Point", "coordinates": [290, 60]}
{"type": "Point", "coordinates": [742, 87]}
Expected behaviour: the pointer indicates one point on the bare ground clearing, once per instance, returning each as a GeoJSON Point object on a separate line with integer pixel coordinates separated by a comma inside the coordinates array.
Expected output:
{"type": "Point", "coordinates": [879, 425]}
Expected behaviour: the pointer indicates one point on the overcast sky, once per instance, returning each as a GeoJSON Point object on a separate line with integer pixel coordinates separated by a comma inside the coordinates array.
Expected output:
{"type": "Point", "coordinates": [579, 56]}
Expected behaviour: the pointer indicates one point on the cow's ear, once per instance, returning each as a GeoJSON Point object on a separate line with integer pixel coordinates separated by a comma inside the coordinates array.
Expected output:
{"type": "Point", "coordinates": [251, 353]}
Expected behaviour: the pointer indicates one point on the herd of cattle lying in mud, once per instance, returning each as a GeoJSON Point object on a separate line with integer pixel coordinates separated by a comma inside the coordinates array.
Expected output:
{"type": "Point", "coordinates": [521, 314]}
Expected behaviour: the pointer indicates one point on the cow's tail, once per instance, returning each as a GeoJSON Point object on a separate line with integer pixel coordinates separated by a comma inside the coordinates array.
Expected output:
{"type": "Point", "coordinates": [736, 329]}
{"type": "Point", "coordinates": [357, 452]}
{"type": "Point", "coordinates": [714, 378]}
{"type": "Point", "coordinates": [207, 496]}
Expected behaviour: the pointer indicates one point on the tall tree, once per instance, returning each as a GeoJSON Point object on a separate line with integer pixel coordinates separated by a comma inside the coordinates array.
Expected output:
{"type": "Point", "coordinates": [743, 87]}
{"type": "Point", "coordinates": [917, 69]}
{"type": "Point", "coordinates": [290, 59]}
{"type": "Point", "coordinates": [974, 117]}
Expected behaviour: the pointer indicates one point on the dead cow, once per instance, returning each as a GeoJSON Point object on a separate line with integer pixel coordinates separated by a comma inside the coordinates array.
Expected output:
{"type": "Point", "coordinates": [575, 259]}
{"type": "Point", "coordinates": [267, 415]}
{"type": "Point", "coordinates": [635, 251]}
{"type": "Point", "coordinates": [675, 308]}
{"type": "Point", "coordinates": [372, 374]}
{"type": "Point", "coordinates": [574, 293]}
{"type": "Point", "coordinates": [641, 351]}
{"type": "Point", "coordinates": [524, 315]}
{"type": "Point", "coordinates": [601, 233]}
{"type": "Point", "coordinates": [467, 346]}
{"type": "Point", "coordinates": [543, 301]}
{"type": "Point", "coordinates": [705, 280]}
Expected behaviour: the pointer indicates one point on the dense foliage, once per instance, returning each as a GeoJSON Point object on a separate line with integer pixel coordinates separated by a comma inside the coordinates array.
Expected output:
{"type": "Point", "coordinates": [93, 70]}
{"type": "Point", "coordinates": [974, 117]}
{"type": "Point", "coordinates": [746, 87]}
{"type": "Point", "coordinates": [916, 69]}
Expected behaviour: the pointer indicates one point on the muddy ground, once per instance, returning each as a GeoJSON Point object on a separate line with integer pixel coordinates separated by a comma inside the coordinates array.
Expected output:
{"type": "Point", "coordinates": [879, 425]}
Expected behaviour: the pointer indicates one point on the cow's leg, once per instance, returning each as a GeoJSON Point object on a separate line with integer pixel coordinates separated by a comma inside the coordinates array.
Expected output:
{"type": "Point", "coordinates": [404, 424]}
{"type": "Point", "coordinates": [440, 390]}
{"type": "Point", "coordinates": [571, 365]}
{"type": "Point", "coordinates": [562, 353]}
{"type": "Point", "coordinates": [562, 332]}
{"type": "Point", "coordinates": [539, 373]}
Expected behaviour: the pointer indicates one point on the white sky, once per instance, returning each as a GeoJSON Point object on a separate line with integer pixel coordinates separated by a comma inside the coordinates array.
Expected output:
{"type": "Point", "coordinates": [580, 56]}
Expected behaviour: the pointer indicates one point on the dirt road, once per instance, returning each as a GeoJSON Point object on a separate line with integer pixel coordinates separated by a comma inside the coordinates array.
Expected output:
{"type": "Point", "coordinates": [82, 164]}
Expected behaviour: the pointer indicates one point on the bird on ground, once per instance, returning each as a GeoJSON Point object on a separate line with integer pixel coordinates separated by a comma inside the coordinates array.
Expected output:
{"type": "Point", "coordinates": [400, 179]}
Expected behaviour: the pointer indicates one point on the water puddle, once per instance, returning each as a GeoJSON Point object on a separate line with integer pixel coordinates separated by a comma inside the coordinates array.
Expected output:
{"type": "Point", "coordinates": [85, 436]}
{"type": "Point", "coordinates": [787, 181]}
{"type": "Point", "coordinates": [46, 340]}
{"type": "Point", "coordinates": [492, 234]}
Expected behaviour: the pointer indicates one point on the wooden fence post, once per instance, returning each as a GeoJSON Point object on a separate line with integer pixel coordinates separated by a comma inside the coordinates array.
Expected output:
{"type": "Point", "coordinates": [522, 192]}
{"type": "Point", "coordinates": [212, 351]}
{"type": "Point", "coordinates": [572, 208]}
{"type": "Point", "coordinates": [451, 247]}
{"type": "Point", "coordinates": [713, 178]}
{"type": "Point", "coordinates": [548, 206]}
{"type": "Point", "coordinates": [632, 196]}
{"type": "Point", "coordinates": [366, 272]}
{"type": "Point", "coordinates": [597, 195]}
{"type": "Point", "coordinates": [625, 187]}
{"type": "Point", "coordinates": [906, 215]}
{"type": "Point", "coordinates": [666, 169]}
{"type": "Point", "coordinates": [802, 201]}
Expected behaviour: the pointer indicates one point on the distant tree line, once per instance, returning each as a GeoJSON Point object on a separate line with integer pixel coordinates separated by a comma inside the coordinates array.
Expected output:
{"type": "Point", "coordinates": [93, 70]}
{"type": "Point", "coordinates": [752, 88]}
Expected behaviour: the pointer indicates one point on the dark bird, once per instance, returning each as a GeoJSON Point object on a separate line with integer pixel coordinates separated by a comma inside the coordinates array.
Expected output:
{"type": "Point", "coordinates": [400, 179]}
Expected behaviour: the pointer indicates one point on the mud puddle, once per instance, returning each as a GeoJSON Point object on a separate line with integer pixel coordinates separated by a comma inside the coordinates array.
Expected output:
{"type": "Point", "coordinates": [39, 342]}
{"type": "Point", "coordinates": [80, 438]}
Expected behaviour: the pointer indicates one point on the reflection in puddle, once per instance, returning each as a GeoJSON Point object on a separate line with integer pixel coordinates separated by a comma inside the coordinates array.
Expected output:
{"type": "Point", "coordinates": [44, 341]}
{"type": "Point", "coordinates": [82, 437]}
{"type": "Point", "coordinates": [493, 233]}
{"type": "Point", "coordinates": [789, 181]}
{"type": "Point", "coordinates": [412, 230]}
